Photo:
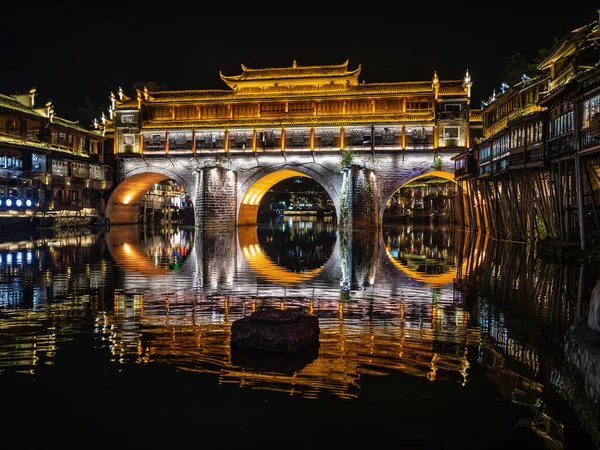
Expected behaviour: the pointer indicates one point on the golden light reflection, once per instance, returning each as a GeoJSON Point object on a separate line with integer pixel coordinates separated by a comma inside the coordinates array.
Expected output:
{"type": "Point", "coordinates": [124, 246]}
{"type": "Point", "coordinates": [263, 266]}
{"type": "Point", "coordinates": [433, 279]}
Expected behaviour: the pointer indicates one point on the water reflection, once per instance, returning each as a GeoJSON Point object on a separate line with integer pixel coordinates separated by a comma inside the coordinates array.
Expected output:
{"type": "Point", "coordinates": [429, 303]}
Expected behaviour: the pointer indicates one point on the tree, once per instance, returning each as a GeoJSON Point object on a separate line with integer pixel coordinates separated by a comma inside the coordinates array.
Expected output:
{"type": "Point", "coordinates": [153, 86]}
{"type": "Point", "coordinates": [516, 66]}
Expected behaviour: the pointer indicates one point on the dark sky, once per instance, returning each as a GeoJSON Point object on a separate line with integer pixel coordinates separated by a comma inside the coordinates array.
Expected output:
{"type": "Point", "coordinates": [77, 55]}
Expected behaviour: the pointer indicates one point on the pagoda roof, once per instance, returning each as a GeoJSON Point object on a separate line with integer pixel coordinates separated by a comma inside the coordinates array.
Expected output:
{"type": "Point", "coordinates": [292, 75]}
{"type": "Point", "coordinates": [363, 89]}
{"type": "Point", "coordinates": [475, 115]}
{"type": "Point", "coordinates": [452, 88]}
{"type": "Point", "coordinates": [573, 41]}
{"type": "Point", "coordinates": [10, 103]}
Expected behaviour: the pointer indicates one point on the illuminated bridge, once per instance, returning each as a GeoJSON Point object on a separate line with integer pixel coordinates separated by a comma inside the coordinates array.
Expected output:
{"type": "Point", "coordinates": [227, 147]}
{"type": "Point", "coordinates": [228, 193]}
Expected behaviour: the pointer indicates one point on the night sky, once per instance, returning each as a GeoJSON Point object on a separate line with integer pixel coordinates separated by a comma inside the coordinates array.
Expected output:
{"type": "Point", "coordinates": [75, 56]}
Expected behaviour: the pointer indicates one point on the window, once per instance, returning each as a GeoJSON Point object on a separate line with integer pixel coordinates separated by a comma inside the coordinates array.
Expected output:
{"type": "Point", "coordinates": [450, 132]}
{"type": "Point", "coordinates": [127, 118]}
{"type": "Point", "coordinates": [60, 168]}
{"type": "Point", "coordinates": [128, 139]}
{"type": "Point", "coordinates": [96, 172]}
{"type": "Point", "coordinates": [452, 107]}
{"type": "Point", "coordinates": [79, 170]}
{"type": "Point", "coordinates": [38, 163]}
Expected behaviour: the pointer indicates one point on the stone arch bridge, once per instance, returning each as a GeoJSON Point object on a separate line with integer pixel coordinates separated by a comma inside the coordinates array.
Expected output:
{"type": "Point", "coordinates": [226, 192]}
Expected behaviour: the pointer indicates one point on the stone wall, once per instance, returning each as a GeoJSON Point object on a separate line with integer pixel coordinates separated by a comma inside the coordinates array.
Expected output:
{"type": "Point", "coordinates": [216, 200]}
{"type": "Point", "coordinates": [217, 190]}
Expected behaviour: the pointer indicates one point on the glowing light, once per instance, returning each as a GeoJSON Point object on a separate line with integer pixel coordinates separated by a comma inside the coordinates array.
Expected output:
{"type": "Point", "coordinates": [9, 202]}
{"type": "Point", "coordinates": [19, 202]}
{"type": "Point", "coordinates": [28, 203]}
{"type": "Point", "coordinates": [127, 198]}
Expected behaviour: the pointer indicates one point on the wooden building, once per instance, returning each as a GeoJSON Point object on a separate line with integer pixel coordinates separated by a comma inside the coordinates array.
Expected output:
{"type": "Point", "coordinates": [52, 170]}
{"type": "Point", "coordinates": [535, 175]}
{"type": "Point", "coordinates": [297, 108]}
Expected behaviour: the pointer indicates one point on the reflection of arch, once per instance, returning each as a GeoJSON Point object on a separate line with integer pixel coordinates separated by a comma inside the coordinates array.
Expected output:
{"type": "Point", "coordinates": [261, 264]}
{"type": "Point", "coordinates": [433, 174]}
{"type": "Point", "coordinates": [252, 192]}
{"type": "Point", "coordinates": [435, 280]}
{"type": "Point", "coordinates": [126, 249]}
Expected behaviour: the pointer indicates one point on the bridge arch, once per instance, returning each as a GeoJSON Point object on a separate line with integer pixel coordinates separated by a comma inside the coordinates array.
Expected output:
{"type": "Point", "coordinates": [408, 178]}
{"type": "Point", "coordinates": [251, 192]}
{"type": "Point", "coordinates": [123, 206]}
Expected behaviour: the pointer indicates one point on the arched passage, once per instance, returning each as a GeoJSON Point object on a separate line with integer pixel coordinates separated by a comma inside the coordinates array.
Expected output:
{"type": "Point", "coordinates": [123, 206]}
{"type": "Point", "coordinates": [256, 187]}
{"type": "Point", "coordinates": [433, 174]}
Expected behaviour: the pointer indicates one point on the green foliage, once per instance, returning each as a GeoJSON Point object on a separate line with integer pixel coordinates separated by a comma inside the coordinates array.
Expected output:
{"type": "Point", "coordinates": [437, 163]}
{"type": "Point", "coordinates": [347, 159]}
{"type": "Point", "coordinates": [219, 161]}
{"type": "Point", "coordinates": [541, 228]}
{"type": "Point", "coordinates": [516, 65]}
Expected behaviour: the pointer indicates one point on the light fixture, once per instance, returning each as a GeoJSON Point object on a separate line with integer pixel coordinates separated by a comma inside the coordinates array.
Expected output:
{"type": "Point", "coordinates": [19, 202]}
{"type": "Point", "coordinates": [28, 203]}
{"type": "Point", "coordinates": [9, 202]}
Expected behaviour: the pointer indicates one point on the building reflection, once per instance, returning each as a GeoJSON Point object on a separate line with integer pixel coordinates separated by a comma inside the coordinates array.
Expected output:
{"type": "Point", "coordinates": [48, 281]}
{"type": "Point", "coordinates": [422, 301]}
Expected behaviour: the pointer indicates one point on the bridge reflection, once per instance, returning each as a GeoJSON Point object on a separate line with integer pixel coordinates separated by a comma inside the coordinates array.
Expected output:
{"type": "Point", "coordinates": [429, 330]}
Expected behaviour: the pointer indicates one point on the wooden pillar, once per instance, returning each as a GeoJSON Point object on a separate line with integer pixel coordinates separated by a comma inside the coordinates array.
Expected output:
{"type": "Point", "coordinates": [283, 140]}
{"type": "Point", "coordinates": [579, 187]}
{"type": "Point", "coordinates": [342, 138]}
{"type": "Point", "coordinates": [194, 143]}
{"type": "Point", "coordinates": [467, 133]}
{"type": "Point", "coordinates": [312, 139]}
{"type": "Point", "coordinates": [226, 143]}
{"type": "Point", "coordinates": [166, 142]}
{"type": "Point", "coordinates": [254, 141]}
{"type": "Point", "coordinates": [404, 132]}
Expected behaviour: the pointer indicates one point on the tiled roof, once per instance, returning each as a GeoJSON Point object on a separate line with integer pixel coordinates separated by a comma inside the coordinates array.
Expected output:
{"type": "Point", "coordinates": [475, 115]}
{"type": "Point", "coordinates": [16, 142]}
{"type": "Point", "coordinates": [451, 88]}
{"type": "Point", "coordinates": [193, 96]}
{"type": "Point", "coordinates": [295, 71]}
{"type": "Point", "coordinates": [8, 102]}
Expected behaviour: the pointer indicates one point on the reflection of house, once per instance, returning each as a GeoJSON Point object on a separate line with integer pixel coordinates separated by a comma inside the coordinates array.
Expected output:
{"type": "Point", "coordinates": [47, 163]}
{"type": "Point", "coordinates": [297, 108]}
{"type": "Point", "coordinates": [424, 199]}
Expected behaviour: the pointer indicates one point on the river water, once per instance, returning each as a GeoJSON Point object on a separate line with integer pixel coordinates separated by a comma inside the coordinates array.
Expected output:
{"type": "Point", "coordinates": [430, 337]}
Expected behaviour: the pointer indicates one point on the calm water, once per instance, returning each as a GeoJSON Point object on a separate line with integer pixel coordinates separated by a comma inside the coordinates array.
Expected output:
{"type": "Point", "coordinates": [429, 338]}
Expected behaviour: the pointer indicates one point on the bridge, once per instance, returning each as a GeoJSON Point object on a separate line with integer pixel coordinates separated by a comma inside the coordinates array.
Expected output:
{"type": "Point", "coordinates": [226, 192]}
{"type": "Point", "coordinates": [228, 147]}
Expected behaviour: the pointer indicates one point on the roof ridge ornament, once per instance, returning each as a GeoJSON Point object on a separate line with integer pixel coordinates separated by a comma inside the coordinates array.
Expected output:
{"type": "Point", "coordinates": [468, 83]}
{"type": "Point", "coordinates": [294, 64]}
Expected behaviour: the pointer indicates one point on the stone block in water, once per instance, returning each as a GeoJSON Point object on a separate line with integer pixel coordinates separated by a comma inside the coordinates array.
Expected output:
{"type": "Point", "coordinates": [275, 330]}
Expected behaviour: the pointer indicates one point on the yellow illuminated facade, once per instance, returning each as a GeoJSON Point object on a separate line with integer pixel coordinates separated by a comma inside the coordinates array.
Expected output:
{"type": "Point", "coordinates": [297, 108]}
